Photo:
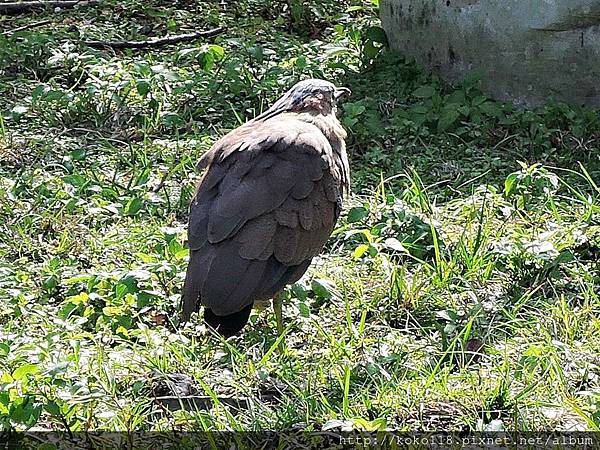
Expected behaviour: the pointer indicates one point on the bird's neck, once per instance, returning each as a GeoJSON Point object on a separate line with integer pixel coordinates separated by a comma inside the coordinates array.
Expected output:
{"type": "Point", "coordinates": [333, 130]}
{"type": "Point", "coordinates": [329, 125]}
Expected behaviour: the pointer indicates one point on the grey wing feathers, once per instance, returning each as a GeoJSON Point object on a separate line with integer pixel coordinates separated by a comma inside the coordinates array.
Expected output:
{"type": "Point", "coordinates": [264, 209]}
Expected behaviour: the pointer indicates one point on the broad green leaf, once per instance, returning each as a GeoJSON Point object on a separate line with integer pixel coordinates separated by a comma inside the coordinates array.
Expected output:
{"type": "Point", "coordinates": [304, 309]}
{"type": "Point", "coordinates": [24, 370]}
{"type": "Point", "coordinates": [320, 289]}
{"type": "Point", "coordinates": [52, 407]}
{"type": "Point", "coordinates": [134, 206]}
{"type": "Point", "coordinates": [447, 119]}
{"type": "Point", "coordinates": [491, 109]}
{"type": "Point", "coordinates": [509, 183]}
{"type": "Point", "coordinates": [427, 91]}
{"type": "Point", "coordinates": [395, 244]}
{"type": "Point", "coordinates": [143, 87]}
{"type": "Point", "coordinates": [376, 34]}
{"type": "Point", "coordinates": [46, 446]}
{"type": "Point", "coordinates": [357, 214]}
{"type": "Point", "coordinates": [38, 91]}
{"type": "Point", "coordinates": [299, 292]}
{"type": "Point", "coordinates": [353, 109]}
{"type": "Point", "coordinates": [360, 251]}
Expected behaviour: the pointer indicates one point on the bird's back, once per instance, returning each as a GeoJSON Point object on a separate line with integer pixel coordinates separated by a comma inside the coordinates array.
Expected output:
{"type": "Point", "coordinates": [265, 207]}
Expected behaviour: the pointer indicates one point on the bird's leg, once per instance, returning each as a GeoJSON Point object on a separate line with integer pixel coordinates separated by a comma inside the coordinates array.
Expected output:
{"type": "Point", "coordinates": [277, 302]}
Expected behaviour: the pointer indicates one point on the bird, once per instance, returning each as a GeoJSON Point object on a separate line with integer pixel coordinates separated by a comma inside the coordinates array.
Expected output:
{"type": "Point", "coordinates": [266, 205]}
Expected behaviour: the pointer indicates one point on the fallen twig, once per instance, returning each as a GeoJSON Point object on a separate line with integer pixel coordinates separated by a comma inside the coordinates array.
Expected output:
{"type": "Point", "coordinates": [26, 27]}
{"type": "Point", "coordinates": [22, 7]}
{"type": "Point", "coordinates": [156, 42]}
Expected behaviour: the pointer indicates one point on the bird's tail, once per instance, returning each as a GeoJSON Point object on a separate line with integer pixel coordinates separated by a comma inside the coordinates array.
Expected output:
{"type": "Point", "coordinates": [226, 325]}
{"type": "Point", "coordinates": [230, 324]}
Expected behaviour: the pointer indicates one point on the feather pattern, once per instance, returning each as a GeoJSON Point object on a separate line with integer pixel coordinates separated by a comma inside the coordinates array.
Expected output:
{"type": "Point", "coordinates": [264, 208]}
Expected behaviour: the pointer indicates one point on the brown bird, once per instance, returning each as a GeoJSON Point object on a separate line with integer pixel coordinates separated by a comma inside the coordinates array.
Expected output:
{"type": "Point", "coordinates": [266, 205]}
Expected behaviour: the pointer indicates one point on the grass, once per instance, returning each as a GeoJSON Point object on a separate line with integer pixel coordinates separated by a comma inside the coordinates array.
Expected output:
{"type": "Point", "coordinates": [459, 291]}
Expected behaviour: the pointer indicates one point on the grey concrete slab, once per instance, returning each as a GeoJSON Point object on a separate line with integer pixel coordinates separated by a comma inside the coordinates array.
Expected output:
{"type": "Point", "coordinates": [527, 50]}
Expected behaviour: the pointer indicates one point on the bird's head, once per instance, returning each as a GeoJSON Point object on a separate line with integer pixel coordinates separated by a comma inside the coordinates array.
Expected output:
{"type": "Point", "coordinates": [313, 96]}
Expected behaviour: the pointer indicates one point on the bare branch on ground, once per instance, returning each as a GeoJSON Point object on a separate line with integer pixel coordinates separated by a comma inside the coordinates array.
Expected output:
{"type": "Point", "coordinates": [156, 42]}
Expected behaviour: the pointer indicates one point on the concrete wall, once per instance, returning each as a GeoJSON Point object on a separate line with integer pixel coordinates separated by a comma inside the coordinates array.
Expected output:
{"type": "Point", "coordinates": [528, 49]}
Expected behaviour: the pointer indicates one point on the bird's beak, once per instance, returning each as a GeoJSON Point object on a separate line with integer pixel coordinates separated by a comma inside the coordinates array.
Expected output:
{"type": "Point", "coordinates": [340, 93]}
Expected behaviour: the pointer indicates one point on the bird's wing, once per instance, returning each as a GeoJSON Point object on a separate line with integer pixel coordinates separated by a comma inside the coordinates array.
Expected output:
{"type": "Point", "coordinates": [265, 207]}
